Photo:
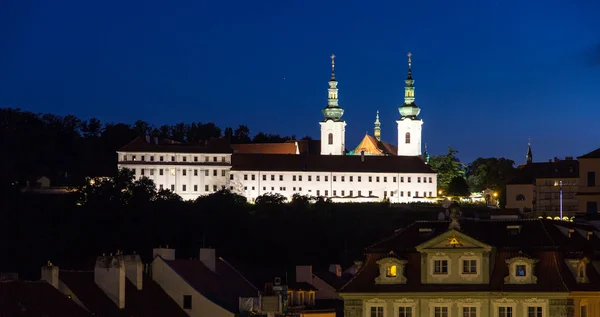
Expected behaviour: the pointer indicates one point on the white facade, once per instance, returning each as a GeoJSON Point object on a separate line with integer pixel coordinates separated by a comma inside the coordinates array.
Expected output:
{"type": "Point", "coordinates": [189, 175]}
{"type": "Point", "coordinates": [397, 187]}
{"type": "Point", "coordinates": [333, 137]}
{"type": "Point", "coordinates": [409, 137]}
{"type": "Point", "coordinates": [196, 174]}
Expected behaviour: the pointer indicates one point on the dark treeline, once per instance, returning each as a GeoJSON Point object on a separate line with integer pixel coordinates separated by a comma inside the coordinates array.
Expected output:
{"type": "Point", "coordinates": [122, 214]}
{"type": "Point", "coordinates": [68, 149]}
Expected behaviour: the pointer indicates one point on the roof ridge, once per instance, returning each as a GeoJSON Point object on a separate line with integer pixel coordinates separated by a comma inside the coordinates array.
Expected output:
{"type": "Point", "coordinates": [390, 237]}
{"type": "Point", "coordinates": [240, 274]}
{"type": "Point", "coordinates": [362, 267]}
{"type": "Point", "coordinates": [559, 271]}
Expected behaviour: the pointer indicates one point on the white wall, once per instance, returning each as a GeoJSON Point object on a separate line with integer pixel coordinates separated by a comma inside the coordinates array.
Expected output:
{"type": "Point", "coordinates": [338, 129]}
{"type": "Point", "coordinates": [196, 182]}
{"type": "Point", "coordinates": [176, 287]}
{"type": "Point", "coordinates": [397, 190]}
{"type": "Point", "coordinates": [413, 127]}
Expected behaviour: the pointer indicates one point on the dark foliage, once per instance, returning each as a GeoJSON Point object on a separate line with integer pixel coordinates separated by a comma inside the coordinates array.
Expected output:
{"type": "Point", "coordinates": [67, 149]}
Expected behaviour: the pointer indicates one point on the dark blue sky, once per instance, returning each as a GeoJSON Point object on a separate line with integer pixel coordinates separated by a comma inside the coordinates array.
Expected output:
{"type": "Point", "coordinates": [489, 73]}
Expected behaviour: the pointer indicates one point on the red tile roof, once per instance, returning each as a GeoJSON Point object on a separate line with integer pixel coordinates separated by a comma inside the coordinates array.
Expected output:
{"type": "Point", "coordinates": [265, 148]}
{"type": "Point", "coordinates": [150, 301]}
{"type": "Point", "coordinates": [18, 298]}
{"type": "Point", "coordinates": [330, 163]}
{"type": "Point", "coordinates": [223, 287]}
{"type": "Point", "coordinates": [371, 146]}
{"type": "Point", "coordinates": [538, 238]}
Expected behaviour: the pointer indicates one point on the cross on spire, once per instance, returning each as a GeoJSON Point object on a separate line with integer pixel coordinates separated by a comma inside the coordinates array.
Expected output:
{"type": "Point", "coordinates": [409, 59]}
{"type": "Point", "coordinates": [332, 61]}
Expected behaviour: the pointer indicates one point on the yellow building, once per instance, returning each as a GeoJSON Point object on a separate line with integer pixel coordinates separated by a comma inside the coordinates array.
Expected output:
{"type": "Point", "coordinates": [472, 268]}
{"type": "Point", "coordinates": [588, 195]}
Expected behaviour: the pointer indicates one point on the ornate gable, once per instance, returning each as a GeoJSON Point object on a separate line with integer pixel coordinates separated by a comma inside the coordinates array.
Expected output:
{"type": "Point", "coordinates": [453, 239]}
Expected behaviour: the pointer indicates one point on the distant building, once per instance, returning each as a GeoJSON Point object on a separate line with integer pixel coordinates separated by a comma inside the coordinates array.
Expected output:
{"type": "Point", "coordinates": [374, 171]}
{"type": "Point", "coordinates": [537, 187]}
{"type": "Point", "coordinates": [588, 194]}
{"type": "Point", "coordinates": [529, 268]}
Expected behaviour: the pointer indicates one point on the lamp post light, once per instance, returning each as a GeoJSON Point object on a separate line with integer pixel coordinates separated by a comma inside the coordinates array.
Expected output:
{"type": "Point", "coordinates": [560, 199]}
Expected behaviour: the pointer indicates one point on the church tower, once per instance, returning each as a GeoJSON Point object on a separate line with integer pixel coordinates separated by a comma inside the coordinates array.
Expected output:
{"type": "Point", "coordinates": [409, 126]}
{"type": "Point", "coordinates": [333, 128]}
{"type": "Point", "coordinates": [377, 130]}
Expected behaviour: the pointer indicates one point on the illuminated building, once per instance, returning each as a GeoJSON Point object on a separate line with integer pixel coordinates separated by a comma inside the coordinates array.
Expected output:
{"type": "Point", "coordinates": [495, 268]}
{"type": "Point", "coordinates": [374, 171]}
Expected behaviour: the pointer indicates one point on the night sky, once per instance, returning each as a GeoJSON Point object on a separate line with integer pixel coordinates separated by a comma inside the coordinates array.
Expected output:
{"type": "Point", "coordinates": [489, 74]}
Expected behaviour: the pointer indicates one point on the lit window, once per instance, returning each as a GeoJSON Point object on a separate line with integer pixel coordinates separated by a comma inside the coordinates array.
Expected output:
{"type": "Point", "coordinates": [172, 172]}
{"type": "Point", "coordinates": [391, 271]}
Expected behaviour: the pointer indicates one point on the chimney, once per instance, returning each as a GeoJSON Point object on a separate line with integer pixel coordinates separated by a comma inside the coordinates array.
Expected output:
{"type": "Point", "coordinates": [336, 269]}
{"type": "Point", "coordinates": [50, 274]}
{"type": "Point", "coordinates": [164, 253]}
{"type": "Point", "coordinates": [304, 273]}
{"type": "Point", "coordinates": [556, 159]}
{"type": "Point", "coordinates": [134, 269]}
{"type": "Point", "coordinates": [568, 158]}
{"type": "Point", "coordinates": [207, 257]}
{"type": "Point", "coordinates": [362, 156]}
{"type": "Point", "coordinates": [109, 275]}
{"type": "Point", "coordinates": [148, 139]}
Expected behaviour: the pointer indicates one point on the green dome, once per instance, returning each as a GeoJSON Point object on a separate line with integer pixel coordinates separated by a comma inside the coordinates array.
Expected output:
{"type": "Point", "coordinates": [333, 113]}
{"type": "Point", "coordinates": [410, 110]}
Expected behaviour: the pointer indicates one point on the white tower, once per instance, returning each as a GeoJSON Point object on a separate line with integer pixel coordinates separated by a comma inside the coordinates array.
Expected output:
{"type": "Point", "coordinates": [333, 128]}
{"type": "Point", "coordinates": [409, 126]}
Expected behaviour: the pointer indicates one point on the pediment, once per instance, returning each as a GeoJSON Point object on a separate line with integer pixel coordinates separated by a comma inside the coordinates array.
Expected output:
{"type": "Point", "coordinates": [453, 239]}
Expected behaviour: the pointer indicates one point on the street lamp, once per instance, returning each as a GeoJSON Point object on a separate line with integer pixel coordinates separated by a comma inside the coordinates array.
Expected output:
{"type": "Point", "coordinates": [560, 197]}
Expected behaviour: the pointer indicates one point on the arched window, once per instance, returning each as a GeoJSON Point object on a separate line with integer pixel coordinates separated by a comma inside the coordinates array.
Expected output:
{"type": "Point", "coordinates": [330, 138]}
{"type": "Point", "coordinates": [407, 138]}
{"type": "Point", "coordinates": [520, 197]}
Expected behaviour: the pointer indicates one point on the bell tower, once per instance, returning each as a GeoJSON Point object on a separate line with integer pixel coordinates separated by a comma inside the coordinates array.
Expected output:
{"type": "Point", "coordinates": [333, 128]}
{"type": "Point", "coordinates": [409, 125]}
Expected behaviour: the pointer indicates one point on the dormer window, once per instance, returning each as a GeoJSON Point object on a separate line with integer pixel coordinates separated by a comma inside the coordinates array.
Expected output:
{"type": "Point", "coordinates": [520, 271]}
{"type": "Point", "coordinates": [391, 271]}
{"type": "Point", "coordinates": [579, 269]}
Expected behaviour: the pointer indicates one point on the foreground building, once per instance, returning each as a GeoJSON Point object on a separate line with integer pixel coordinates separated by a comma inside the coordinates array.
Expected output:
{"type": "Point", "coordinates": [374, 171]}
{"type": "Point", "coordinates": [519, 268]}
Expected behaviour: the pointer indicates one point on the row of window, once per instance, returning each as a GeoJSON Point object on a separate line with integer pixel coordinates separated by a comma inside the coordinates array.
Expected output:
{"type": "Point", "coordinates": [161, 158]}
{"type": "Point", "coordinates": [195, 187]}
{"type": "Point", "coordinates": [444, 311]}
{"type": "Point", "coordinates": [343, 192]}
{"type": "Point", "coordinates": [172, 171]}
{"type": "Point", "coordinates": [342, 178]}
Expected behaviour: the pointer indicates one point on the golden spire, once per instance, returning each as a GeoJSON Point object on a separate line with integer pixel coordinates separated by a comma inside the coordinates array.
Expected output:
{"type": "Point", "coordinates": [332, 62]}
{"type": "Point", "coordinates": [409, 60]}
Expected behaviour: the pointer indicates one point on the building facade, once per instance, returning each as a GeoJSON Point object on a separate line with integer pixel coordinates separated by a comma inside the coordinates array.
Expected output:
{"type": "Point", "coordinates": [516, 268]}
{"type": "Point", "coordinates": [545, 187]}
{"type": "Point", "coordinates": [377, 171]}
{"type": "Point", "coordinates": [588, 194]}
